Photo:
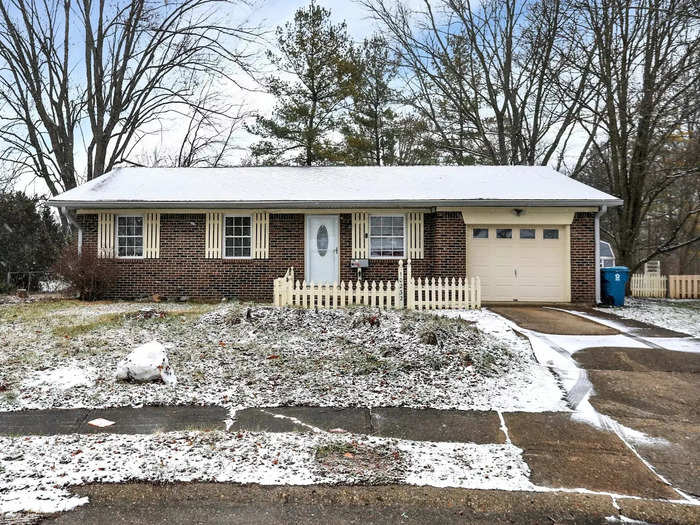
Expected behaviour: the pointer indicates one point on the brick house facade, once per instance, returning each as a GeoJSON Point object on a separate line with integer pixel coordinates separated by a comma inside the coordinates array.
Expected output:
{"type": "Point", "coordinates": [181, 269]}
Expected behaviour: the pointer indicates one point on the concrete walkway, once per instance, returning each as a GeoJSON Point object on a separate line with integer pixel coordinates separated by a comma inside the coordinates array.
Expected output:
{"type": "Point", "coordinates": [127, 420]}
{"type": "Point", "coordinates": [396, 422]}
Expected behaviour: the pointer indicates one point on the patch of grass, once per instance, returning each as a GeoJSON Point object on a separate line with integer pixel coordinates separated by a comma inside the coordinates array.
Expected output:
{"type": "Point", "coordinates": [102, 322]}
{"type": "Point", "coordinates": [10, 395]}
{"type": "Point", "coordinates": [362, 363]}
{"type": "Point", "coordinates": [26, 312]}
{"type": "Point", "coordinates": [335, 448]}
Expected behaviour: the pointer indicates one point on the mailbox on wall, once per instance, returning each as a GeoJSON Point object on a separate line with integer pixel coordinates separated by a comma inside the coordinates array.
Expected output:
{"type": "Point", "coordinates": [359, 263]}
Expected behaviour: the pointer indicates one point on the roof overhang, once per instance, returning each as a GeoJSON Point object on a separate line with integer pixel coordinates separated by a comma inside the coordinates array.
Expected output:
{"type": "Point", "coordinates": [104, 204]}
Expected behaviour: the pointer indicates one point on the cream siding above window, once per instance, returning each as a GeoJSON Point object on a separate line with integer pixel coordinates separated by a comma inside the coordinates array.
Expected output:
{"type": "Point", "coordinates": [151, 235]}
{"type": "Point", "coordinates": [105, 235]}
{"type": "Point", "coordinates": [360, 237]}
{"type": "Point", "coordinates": [214, 235]}
{"type": "Point", "coordinates": [414, 234]}
{"type": "Point", "coordinates": [261, 235]}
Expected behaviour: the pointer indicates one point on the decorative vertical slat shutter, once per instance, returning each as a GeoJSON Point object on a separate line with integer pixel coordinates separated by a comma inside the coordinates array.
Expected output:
{"type": "Point", "coordinates": [414, 234]}
{"type": "Point", "coordinates": [261, 235]}
{"type": "Point", "coordinates": [212, 245]}
{"type": "Point", "coordinates": [151, 235]}
{"type": "Point", "coordinates": [360, 235]}
{"type": "Point", "coordinates": [105, 235]}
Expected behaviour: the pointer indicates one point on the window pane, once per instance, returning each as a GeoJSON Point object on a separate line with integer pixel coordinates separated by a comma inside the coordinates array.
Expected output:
{"type": "Point", "coordinates": [386, 236]}
{"type": "Point", "coordinates": [237, 237]}
{"type": "Point", "coordinates": [481, 233]}
{"type": "Point", "coordinates": [551, 234]}
{"type": "Point", "coordinates": [527, 233]}
{"type": "Point", "coordinates": [504, 233]}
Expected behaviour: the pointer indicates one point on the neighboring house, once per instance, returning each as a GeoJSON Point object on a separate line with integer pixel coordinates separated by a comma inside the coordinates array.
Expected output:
{"type": "Point", "coordinates": [529, 233]}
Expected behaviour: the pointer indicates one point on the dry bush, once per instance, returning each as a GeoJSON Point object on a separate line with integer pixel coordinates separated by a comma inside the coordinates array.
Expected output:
{"type": "Point", "coordinates": [87, 275]}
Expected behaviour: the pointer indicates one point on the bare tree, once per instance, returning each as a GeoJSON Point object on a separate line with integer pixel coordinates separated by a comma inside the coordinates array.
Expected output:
{"type": "Point", "coordinates": [646, 64]}
{"type": "Point", "coordinates": [495, 78]}
{"type": "Point", "coordinates": [206, 134]}
{"type": "Point", "coordinates": [101, 75]}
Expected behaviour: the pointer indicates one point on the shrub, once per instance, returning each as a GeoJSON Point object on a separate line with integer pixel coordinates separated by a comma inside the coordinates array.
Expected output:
{"type": "Point", "coordinates": [30, 240]}
{"type": "Point", "coordinates": [87, 275]}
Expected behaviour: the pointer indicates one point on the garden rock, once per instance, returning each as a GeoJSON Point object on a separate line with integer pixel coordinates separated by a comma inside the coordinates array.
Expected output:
{"type": "Point", "coordinates": [148, 362]}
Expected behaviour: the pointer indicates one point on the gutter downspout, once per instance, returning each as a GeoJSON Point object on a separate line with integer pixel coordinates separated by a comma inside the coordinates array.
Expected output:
{"type": "Point", "coordinates": [69, 217]}
{"type": "Point", "coordinates": [603, 209]}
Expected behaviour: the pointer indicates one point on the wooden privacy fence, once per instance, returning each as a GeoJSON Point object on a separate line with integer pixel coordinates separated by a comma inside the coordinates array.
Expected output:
{"type": "Point", "coordinates": [684, 286]}
{"type": "Point", "coordinates": [648, 285]}
{"type": "Point", "coordinates": [414, 294]}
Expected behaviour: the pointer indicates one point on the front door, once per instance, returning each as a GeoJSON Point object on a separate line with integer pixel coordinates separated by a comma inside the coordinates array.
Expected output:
{"type": "Point", "coordinates": [321, 248]}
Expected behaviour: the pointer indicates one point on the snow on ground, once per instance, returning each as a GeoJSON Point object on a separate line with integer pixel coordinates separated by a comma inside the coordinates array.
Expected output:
{"type": "Point", "coordinates": [239, 356]}
{"type": "Point", "coordinates": [680, 315]}
{"type": "Point", "coordinates": [39, 470]}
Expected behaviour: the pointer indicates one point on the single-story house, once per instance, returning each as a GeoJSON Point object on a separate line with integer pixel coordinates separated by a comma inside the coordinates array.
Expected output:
{"type": "Point", "coordinates": [529, 233]}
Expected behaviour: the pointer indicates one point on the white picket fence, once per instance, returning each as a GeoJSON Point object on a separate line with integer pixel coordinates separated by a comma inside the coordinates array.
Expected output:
{"type": "Point", "coordinates": [648, 285]}
{"type": "Point", "coordinates": [441, 293]}
{"type": "Point", "coordinates": [414, 294]}
{"type": "Point", "coordinates": [684, 286]}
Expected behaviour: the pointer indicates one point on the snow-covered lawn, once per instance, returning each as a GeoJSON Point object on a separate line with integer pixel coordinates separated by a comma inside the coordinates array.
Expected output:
{"type": "Point", "coordinates": [64, 354]}
{"type": "Point", "coordinates": [39, 470]}
{"type": "Point", "coordinates": [681, 315]}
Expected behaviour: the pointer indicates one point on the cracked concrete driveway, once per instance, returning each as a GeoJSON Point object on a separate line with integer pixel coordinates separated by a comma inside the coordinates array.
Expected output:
{"type": "Point", "coordinates": [652, 390]}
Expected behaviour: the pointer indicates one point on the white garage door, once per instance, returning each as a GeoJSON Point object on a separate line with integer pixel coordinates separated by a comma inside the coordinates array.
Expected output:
{"type": "Point", "coordinates": [520, 263]}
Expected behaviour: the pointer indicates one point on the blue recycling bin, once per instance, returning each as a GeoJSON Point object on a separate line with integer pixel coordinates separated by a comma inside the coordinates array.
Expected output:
{"type": "Point", "coordinates": [613, 282]}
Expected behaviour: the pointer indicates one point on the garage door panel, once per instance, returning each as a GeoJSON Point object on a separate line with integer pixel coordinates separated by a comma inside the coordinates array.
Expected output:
{"type": "Point", "coordinates": [523, 269]}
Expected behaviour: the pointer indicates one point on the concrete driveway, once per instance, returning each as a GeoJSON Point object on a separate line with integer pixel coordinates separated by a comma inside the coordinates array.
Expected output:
{"type": "Point", "coordinates": [653, 390]}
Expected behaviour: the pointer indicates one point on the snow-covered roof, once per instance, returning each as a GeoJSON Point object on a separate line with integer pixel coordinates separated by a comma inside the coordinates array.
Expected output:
{"type": "Point", "coordinates": [299, 187]}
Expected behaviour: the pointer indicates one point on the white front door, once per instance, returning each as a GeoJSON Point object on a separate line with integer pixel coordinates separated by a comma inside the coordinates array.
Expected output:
{"type": "Point", "coordinates": [321, 248]}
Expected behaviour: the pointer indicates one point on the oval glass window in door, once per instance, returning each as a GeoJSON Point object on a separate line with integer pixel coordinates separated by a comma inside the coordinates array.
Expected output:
{"type": "Point", "coordinates": [322, 240]}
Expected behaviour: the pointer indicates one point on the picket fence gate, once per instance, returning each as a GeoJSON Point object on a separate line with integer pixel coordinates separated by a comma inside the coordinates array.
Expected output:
{"type": "Point", "coordinates": [414, 294]}
{"type": "Point", "coordinates": [684, 286]}
{"type": "Point", "coordinates": [648, 285]}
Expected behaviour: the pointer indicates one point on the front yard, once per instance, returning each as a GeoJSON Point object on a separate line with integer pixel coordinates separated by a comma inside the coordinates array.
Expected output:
{"type": "Point", "coordinates": [64, 354]}
{"type": "Point", "coordinates": [680, 315]}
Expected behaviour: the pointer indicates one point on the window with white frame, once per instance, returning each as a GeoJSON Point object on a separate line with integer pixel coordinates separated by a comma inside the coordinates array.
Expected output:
{"type": "Point", "coordinates": [237, 236]}
{"type": "Point", "coordinates": [386, 236]}
{"type": "Point", "coordinates": [130, 236]}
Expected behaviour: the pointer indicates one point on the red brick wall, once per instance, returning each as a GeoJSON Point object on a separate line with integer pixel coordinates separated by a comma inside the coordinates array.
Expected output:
{"type": "Point", "coordinates": [182, 269]}
{"type": "Point", "coordinates": [583, 263]}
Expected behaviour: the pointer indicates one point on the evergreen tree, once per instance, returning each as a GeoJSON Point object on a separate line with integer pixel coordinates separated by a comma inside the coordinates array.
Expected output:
{"type": "Point", "coordinates": [370, 122]}
{"type": "Point", "coordinates": [30, 237]}
{"type": "Point", "coordinates": [314, 52]}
